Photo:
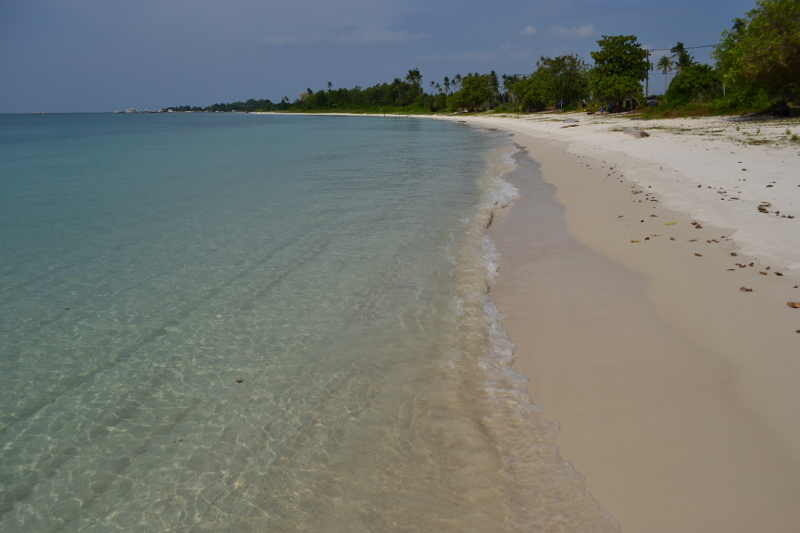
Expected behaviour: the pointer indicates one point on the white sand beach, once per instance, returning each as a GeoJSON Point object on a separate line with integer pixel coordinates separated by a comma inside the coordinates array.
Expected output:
{"type": "Point", "coordinates": [653, 322]}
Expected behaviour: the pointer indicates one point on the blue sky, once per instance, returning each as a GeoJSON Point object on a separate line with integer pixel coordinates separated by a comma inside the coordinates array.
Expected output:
{"type": "Point", "coordinates": [101, 55]}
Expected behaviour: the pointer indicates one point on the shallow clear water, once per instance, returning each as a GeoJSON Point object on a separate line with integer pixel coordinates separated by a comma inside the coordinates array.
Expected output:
{"type": "Point", "coordinates": [262, 323]}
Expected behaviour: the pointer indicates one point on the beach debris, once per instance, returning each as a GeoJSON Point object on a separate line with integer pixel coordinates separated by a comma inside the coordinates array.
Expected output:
{"type": "Point", "coordinates": [692, 240]}
{"type": "Point", "coordinates": [653, 216]}
{"type": "Point", "coordinates": [731, 270]}
{"type": "Point", "coordinates": [762, 273]}
{"type": "Point", "coordinates": [636, 240]}
{"type": "Point", "coordinates": [697, 225]}
{"type": "Point", "coordinates": [239, 381]}
{"type": "Point", "coordinates": [793, 305]}
{"type": "Point", "coordinates": [778, 274]}
{"type": "Point", "coordinates": [672, 238]}
{"type": "Point", "coordinates": [745, 289]}
{"type": "Point", "coordinates": [570, 126]}
{"type": "Point", "coordinates": [647, 238]}
{"type": "Point", "coordinates": [639, 134]}
{"type": "Point", "coordinates": [671, 223]}
{"type": "Point", "coordinates": [698, 255]}
{"type": "Point", "coordinates": [734, 254]}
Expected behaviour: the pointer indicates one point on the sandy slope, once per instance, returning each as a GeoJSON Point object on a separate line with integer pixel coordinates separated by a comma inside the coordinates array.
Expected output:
{"type": "Point", "coordinates": [677, 390]}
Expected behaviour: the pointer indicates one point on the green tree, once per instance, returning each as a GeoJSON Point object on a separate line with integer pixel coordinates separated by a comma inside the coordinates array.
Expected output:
{"type": "Point", "coordinates": [415, 79]}
{"type": "Point", "coordinates": [566, 78]}
{"type": "Point", "coordinates": [683, 59]}
{"type": "Point", "coordinates": [762, 51]}
{"type": "Point", "coordinates": [508, 82]}
{"type": "Point", "coordinates": [694, 83]}
{"type": "Point", "coordinates": [620, 66]}
{"type": "Point", "coordinates": [531, 92]}
{"type": "Point", "coordinates": [494, 84]}
{"type": "Point", "coordinates": [475, 91]}
{"type": "Point", "coordinates": [665, 66]}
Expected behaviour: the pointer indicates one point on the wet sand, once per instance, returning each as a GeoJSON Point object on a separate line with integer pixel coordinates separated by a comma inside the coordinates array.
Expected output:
{"type": "Point", "coordinates": [675, 389]}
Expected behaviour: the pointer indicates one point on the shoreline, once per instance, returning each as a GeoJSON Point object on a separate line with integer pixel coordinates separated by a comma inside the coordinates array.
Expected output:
{"type": "Point", "coordinates": [675, 390]}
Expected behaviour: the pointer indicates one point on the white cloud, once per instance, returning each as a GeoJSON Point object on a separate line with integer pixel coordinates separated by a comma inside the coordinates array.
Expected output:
{"type": "Point", "coordinates": [529, 30]}
{"type": "Point", "coordinates": [587, 30]}
{"type": "Point", "coordinates": [368, 36]}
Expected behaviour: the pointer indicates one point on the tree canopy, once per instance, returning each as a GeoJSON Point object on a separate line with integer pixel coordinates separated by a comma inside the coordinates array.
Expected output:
{"type": "Point", "coordinates": [757, 59]}
{"type": "Point", "coordinates": [476, 90]}
{"type": "Point", "coordinates": [763, 49]}
{"type": "Point", "coordinates": [620, 65]}
{"type": "Point", "coordinates": [562, 79]}
{"type": "Point", "coordinates": [694, 83]}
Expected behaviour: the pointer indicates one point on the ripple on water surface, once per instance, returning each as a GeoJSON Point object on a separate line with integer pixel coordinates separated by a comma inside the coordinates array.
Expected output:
{"type": "Point", "coordinates": [263, 323]}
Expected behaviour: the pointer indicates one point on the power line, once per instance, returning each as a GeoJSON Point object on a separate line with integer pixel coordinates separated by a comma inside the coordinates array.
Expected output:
{"type": "Point", "coordinates": [685, 48]}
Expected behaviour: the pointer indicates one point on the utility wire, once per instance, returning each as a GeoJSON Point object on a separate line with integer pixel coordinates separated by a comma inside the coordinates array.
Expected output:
{"type": "Point", "coordinates": [687, 48]}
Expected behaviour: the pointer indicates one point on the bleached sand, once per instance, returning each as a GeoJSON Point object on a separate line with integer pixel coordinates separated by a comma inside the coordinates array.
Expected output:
{"type": "Point", "coordinates": [671, 363]}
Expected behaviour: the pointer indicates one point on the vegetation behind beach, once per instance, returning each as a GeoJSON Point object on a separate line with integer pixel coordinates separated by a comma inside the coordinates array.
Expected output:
{"type": "Point", "coordinates": [757, 69]}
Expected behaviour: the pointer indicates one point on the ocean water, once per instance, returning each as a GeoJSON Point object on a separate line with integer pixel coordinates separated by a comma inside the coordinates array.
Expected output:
{"type": "Point", "coordinates": [243, 323]}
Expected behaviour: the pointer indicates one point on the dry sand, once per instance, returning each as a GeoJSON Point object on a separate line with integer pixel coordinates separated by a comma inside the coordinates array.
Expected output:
{"type": "Point", "coordinates": [677, 392]}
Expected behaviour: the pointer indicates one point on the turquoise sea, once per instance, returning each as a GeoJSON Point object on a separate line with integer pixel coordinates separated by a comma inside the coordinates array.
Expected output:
{"type": "Point", "coordinates": [264, 323]}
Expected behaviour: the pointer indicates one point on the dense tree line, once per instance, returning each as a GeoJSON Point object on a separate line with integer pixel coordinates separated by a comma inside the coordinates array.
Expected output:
{"type": "Point", "coordinates": [757, 61]}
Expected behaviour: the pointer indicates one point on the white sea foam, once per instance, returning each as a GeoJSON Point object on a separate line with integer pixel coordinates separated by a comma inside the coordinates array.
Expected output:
{"type": "Point", "coordinates": [524, 437]}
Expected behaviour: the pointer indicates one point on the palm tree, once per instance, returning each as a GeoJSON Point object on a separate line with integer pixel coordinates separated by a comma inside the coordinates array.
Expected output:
{"type": "Point", "coordinates": [683, 58]}
{"type": "Point", "coordinates": [665, 65]}
{"type": "Point", "coordinates": [457, 80]}
{"type": "Point", "coordinates": [446, 85]}
{"type": "Point", "coordinates": [494, 83]}
{"type": "Point", "coordinates": [414, 78]}
{"type": "Point", "coordinates": [508, 81]}
{"type": "Point", "coordinates": [329, 86]}
{"type": "Point", "coordinates": [398, 84]}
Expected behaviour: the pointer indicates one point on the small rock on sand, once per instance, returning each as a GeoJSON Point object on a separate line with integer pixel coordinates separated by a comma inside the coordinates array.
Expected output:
{"type": "Point", "coordinates": [639, 134]}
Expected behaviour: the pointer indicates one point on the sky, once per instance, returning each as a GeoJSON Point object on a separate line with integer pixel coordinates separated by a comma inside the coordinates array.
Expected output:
{"type": "Point", "coordinates": [101, 55]}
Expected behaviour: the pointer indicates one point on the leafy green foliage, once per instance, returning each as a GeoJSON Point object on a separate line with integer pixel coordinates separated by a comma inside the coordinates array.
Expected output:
{"type": "Point", "coordinates": [683, 59]}
{"type": "Point", "coordinates": [560, 79]}
{"type": "Point", "coordinates": [620, 65]}
{"type": "Point", "coordinates": [476, 90]}
{"type": "Point", "coordinates": [694, 83]}
{"type": "Point", "coordinates": [532, 91]}
{"type": "Point", "coordinates": [762, 51]}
